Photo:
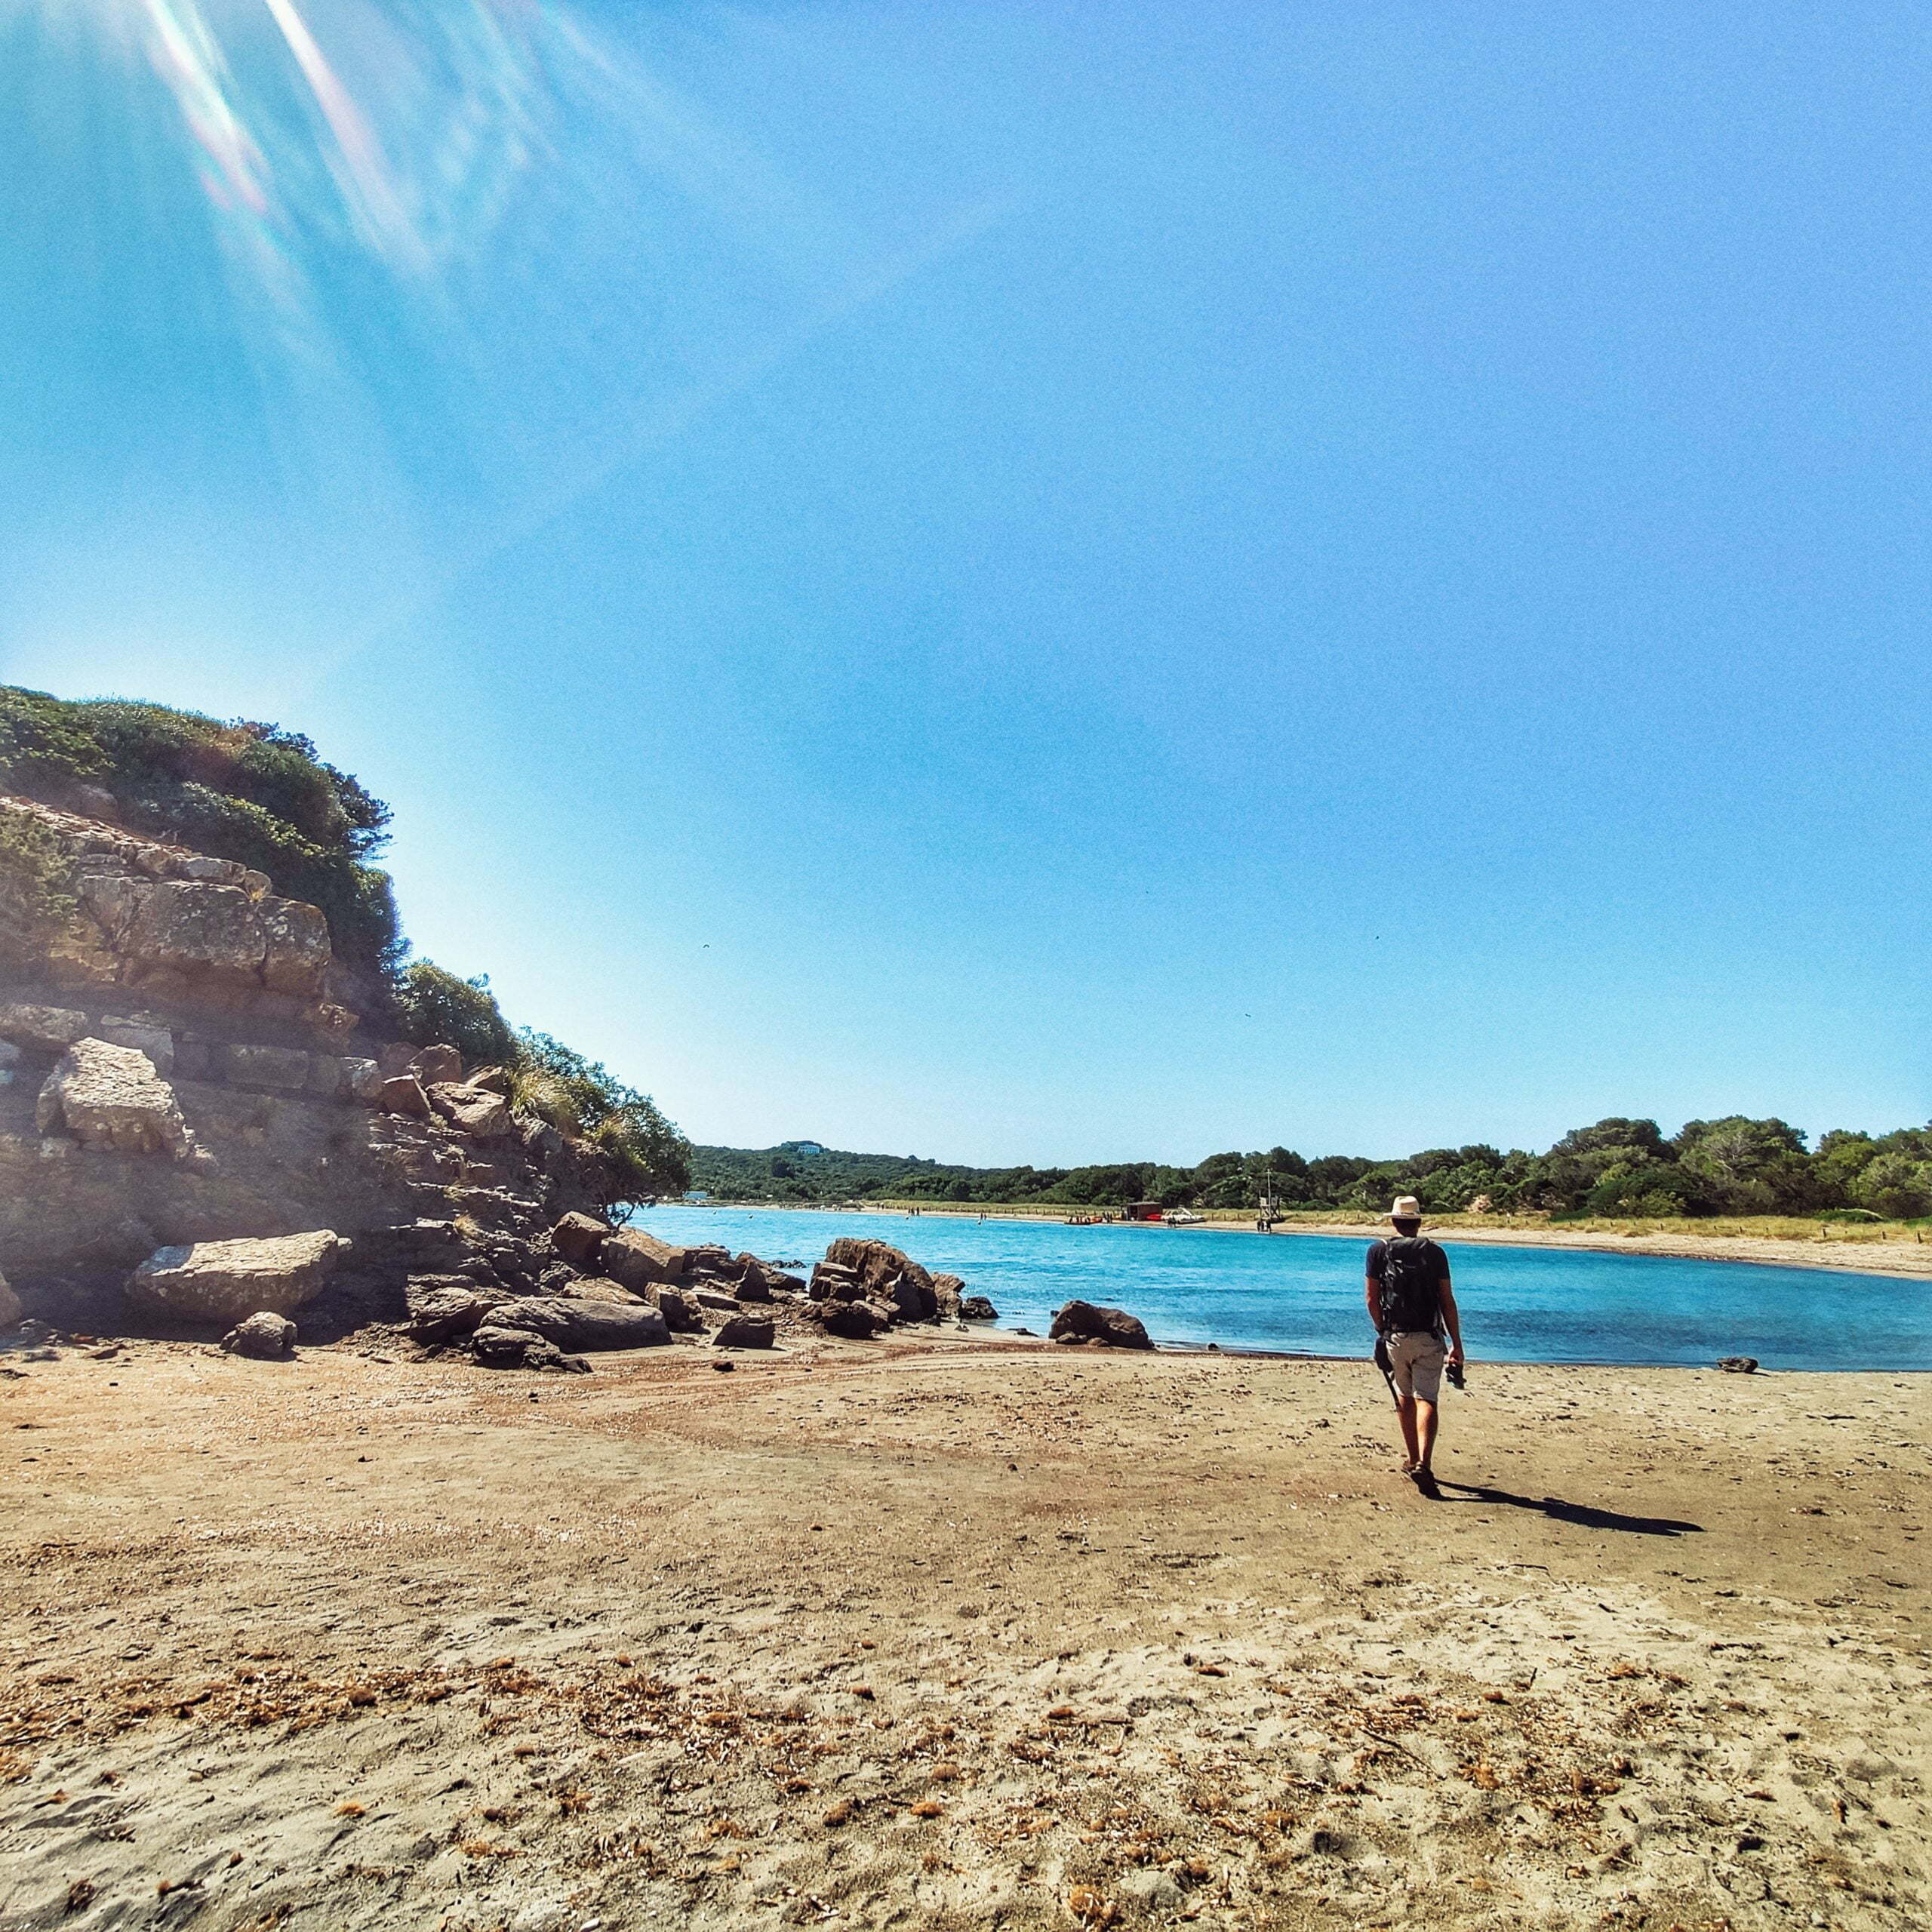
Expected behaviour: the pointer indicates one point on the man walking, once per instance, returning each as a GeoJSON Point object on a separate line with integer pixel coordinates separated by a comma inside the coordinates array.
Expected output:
{"type": "Point", "coordinates": [1411, 1304]}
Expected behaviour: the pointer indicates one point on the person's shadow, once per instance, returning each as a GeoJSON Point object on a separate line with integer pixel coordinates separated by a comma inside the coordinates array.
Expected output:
{"type": "Point", "coordinates": [1585, 1516]}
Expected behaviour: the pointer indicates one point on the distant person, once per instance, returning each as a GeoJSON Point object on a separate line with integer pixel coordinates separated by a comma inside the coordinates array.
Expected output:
{"type": "Point", "coordinates": [1412, 1306]}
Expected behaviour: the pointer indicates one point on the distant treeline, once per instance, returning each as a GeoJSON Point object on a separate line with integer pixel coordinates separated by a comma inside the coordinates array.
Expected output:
{"type": "Point", "coordinates": [1622, 1168]}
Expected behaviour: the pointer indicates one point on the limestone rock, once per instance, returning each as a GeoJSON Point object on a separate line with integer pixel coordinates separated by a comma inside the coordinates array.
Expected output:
{"type": "Point", "coordinates": [1113, 1327]}
{"type": "Point", "coordinates": [577, 1237]}
{"type": "Point", "coordinates": [225, 1281]}
{"type": "Point", "coordinates": [145, 1037]}
{"type": "Point", "coordinates": [296, 955]}
{"type": "Point", "coordinates": [887, 1273]}
{"type": "Point", "coordinates": [441, 1306]}
{"type": "Point", "coordinates": [11, 1310]}
{"type": "Point", "coordinates": [640, 1260]}
{"type": "Point", "coordinates": [363, 1077]}
{"type": "Point", "coordinates": [113, 1101]}
{"type": "Point", "coordinates": [853, 1320]}
{"type": "Point", "coordinates": [594, 1287]}
{"type": "Point", "coordinates": [754, 1284]}
{"type": "Point", "coordinates": [438, 1066]}
{"type": "Point", "coordinates": [831, 1282]}
{"type": "Point", "coordinates": [284, 1067]}
{"type": "Point", "coordinates": [510, 1347]}
{"type": "Point", "coordinates": [54, 1026]}
{"type": "Point", "coordinates": [491, 1080]}
{"type": "Point", "coordinates": [482, 1115]}
{"type": "Point", "coordinates": [947, 1291]}
{"type": "Point", "coordinates": [266, 1337]}
{"type": "Point", "coordinates": [580, 1325]}
{"type": "Point", "coordinates": [679, 1311]}
{"type": "Point", "coordinates": [193, 927]}
{"type": "Point", "coordinates": [403, 1095]}
{"type": "Point", "coordinates": [745, 1331]}
{"type": "Point", "coordinates": [715, 1300]}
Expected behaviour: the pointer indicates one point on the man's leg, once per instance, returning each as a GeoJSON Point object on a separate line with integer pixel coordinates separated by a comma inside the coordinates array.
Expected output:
{"type": "Point", "coordinates": [1405, 1410]}
{"type": "Point", "coordinates": [1421, 1423]}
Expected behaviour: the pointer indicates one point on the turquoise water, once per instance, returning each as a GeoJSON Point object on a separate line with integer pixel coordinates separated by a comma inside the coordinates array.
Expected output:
{"type": "Point", "coordinates": [1303, 1292]}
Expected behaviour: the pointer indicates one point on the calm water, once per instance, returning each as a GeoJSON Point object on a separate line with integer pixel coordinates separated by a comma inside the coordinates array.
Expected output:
{"type": "Point", "coordinates": [1303, 1292]}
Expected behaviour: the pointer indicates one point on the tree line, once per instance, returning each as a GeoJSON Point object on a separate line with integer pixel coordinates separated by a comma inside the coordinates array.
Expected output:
{"type": "Point", "coordinates": [1618, 1167]}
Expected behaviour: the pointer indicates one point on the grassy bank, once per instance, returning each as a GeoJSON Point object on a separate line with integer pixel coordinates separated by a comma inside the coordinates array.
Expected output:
{"type": "Point", "coordinates": [1748, 1227]}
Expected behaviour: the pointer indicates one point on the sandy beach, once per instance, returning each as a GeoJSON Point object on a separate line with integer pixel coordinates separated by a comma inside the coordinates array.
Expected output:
{"type": "Point", "coordinates": [955, 1633]}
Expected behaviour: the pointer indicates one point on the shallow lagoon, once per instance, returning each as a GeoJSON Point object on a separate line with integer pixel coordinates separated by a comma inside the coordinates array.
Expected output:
{"type": "Point", "coordinates": [1302, 1292]}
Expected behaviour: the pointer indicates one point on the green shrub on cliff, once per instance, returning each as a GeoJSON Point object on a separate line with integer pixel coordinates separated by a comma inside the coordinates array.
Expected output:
{"type": "Point", "coordinates": [435, 1008]}
{"type": "Point", "coordinates": [641, 1153]}
{"type": "Point", "coordinates": [244, 790]}
{"type": "Point", "coordinates": [35, 903]}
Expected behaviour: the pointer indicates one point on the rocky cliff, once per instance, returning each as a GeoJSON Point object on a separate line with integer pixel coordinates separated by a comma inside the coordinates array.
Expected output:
{"type": "Point", "coordinates": [178, 1064]}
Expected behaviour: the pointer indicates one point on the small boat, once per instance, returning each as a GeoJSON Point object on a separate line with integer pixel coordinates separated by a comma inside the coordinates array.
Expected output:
{"type": "Point", "coordinates": [1184, 1217]}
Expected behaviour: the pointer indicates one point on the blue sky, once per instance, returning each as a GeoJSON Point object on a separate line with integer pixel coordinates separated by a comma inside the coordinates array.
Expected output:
{"type": "Point", "coordinates": [1032, 583]}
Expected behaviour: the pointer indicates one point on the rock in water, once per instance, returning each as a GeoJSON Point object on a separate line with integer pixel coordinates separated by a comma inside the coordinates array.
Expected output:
{"type": "Point", "coordinates": [745, 1331]}
{"type": "Point", "coordinates": [580, 1325]}
{"type": "Point", "coordinates": [577, 1237]}
{"type": "Point", "coordinates": [640, 1260]}
{"type": "Point", "coordinates": [1113, 1327]}
{"type": "Point", "coordinates": [264, 1336]}
{"type": "Point", "coordinates": [112, 1100]}
{"type": "Point", "coordinates": [227, 1281]}
{"type": "Point", "coordinates": [947, 1290]}
{"type": "Point", "coordinates": [977, 1307]}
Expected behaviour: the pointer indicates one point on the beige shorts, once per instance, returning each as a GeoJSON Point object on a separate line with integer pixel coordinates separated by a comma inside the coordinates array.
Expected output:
{"type": "Point", "coordinates": [1415, 1364]}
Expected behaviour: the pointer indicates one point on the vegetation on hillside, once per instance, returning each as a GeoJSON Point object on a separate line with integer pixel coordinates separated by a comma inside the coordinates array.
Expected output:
{"type": "Point", "coordinates": [263, 796]}
{"type": "Point", "coordinates": [242, 790]}
{"type": "Point", "coordinates": [1617, 1168]}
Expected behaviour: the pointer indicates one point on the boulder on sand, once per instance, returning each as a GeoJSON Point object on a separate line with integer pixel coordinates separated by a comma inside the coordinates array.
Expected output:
{"type": "Point", "coordinates": [947, 1290]}
{"type": "Point", "coordinates": [850, 1321]}
{"type": "Point", "coordinates": [1113, 1327]}
{"type": "Point", "coordinates": [639, 1260]}
{"type": "Point", "coordinates": [442, 1306]}
{"type": "Point", "coordinates": [522, 1347]}
{"type": "Point", "coordinates": [745, 1331]}
{"type": "Point", "coordinates": [887, 1274]}
{"type": "Point", "coordinates": [227, 1281]}
{"type": "Point", "coordinates": [679, 1311]}
{"type": "Point", "coordinates": [831, 1282]}
{"type": "Point", "coordinates": [580, 1325]}
{"type": "Point", "coordinates": [977, 1307]}
{"type": "Point", "coordinates": [263, 1337]}
{"type": "Point", "coordinates": [112, 1100]}
{"type": "Point", "coordinates": [577, 1237]}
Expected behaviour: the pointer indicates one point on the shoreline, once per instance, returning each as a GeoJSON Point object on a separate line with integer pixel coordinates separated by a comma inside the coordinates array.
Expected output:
{"type": "Point", "coordinates": [1900, 1259]}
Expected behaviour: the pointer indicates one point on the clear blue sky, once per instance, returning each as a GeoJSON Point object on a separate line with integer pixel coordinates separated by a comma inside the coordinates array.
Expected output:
{"type": "Point", "coordinates": [1033, 582]}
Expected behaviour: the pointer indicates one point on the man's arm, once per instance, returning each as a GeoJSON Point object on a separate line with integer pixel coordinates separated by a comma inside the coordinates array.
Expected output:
{"type": "Point", "coordinates": [1374, 1302]}
{"type": "Point", "coordinates": [1451, 1319]}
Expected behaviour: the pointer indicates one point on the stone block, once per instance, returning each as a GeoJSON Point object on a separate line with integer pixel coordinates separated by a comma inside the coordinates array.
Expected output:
{"type": "Point", "coordinates": [403, 1095]}
{"type": "Point", "coordinates": [220, 871]}
{"type": "Point", "coordinates": [297, 956]}
{"type": "Point", "coordinates": [227, 1281]}
{"type": "Point", "coordinates": [194, 1059]}
{"type": "Point", "coordinates": [638, 1260]}
{"type": "Point", "coordinates": [194, 927]}
{"type": "Point", "coordinates": [111, 1099]}
{"type": "Point", "coordinates": [438, 1066]}
{"type": "Point", "coordinates": [145, 1037]}
{"type": "Point", "coordinates": [286, 1067]}
{"type": "Point", "coordinates": [54, 1026]}
{"type": "Point", "coordinates": [483, 1116]}
{"type": "Point", "coordinates": [364, 1079]}
{"type": "Point", "coordinates": [326, 1075]}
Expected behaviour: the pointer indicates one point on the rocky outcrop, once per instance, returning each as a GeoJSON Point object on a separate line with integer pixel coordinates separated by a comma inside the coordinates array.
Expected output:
{"type": "Point", "coordinates": [746, 1331]}
{"type": "Point", "coordinates": [264, 1337]}
{"type": "Point", "coordinates": [640, 1260]}
{"type": "Point", "coordinates": [977, 1307]}
{"type": "Point", "coordinates": [1102, 1328]}
{"type": "Point", "coordinates": [221, 1281]}
{"type": "Point", "coordinates": [578, 1238]}
{"type": "Point", "coordinates": [585, 1325]}
{"type": "Point", "coordinates": [111, 1099]}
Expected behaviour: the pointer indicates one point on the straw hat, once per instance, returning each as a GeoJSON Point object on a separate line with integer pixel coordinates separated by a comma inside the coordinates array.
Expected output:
{"type": "Point", "coordinates": [1407, 1208]}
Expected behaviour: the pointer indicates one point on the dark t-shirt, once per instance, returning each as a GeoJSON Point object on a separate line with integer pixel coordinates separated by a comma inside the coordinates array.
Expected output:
{"type": "Point", "coordinates": [1378, 1254]}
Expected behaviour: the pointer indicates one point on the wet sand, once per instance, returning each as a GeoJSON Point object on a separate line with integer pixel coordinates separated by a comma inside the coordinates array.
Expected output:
{"type": "Point", "coordinates": [955, 1633]}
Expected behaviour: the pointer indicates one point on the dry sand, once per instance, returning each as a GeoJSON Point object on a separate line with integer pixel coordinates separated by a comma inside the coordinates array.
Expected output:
{"type": "Point", "coordinates": [955, 1634]}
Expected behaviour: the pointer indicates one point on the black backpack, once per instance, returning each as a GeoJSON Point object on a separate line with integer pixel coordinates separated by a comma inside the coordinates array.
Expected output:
{"type": "Point", "coordinates": [1411, 1267]}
